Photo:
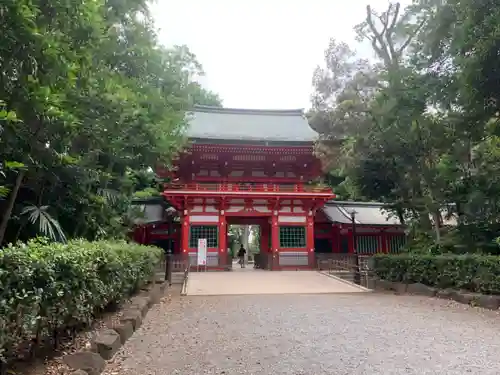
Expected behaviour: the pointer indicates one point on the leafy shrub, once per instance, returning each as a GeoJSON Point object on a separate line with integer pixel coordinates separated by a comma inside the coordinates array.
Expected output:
{"type": "Point", "coordinates": [472, 272]}
{"type": "Point", "coordinates": [47, 287]}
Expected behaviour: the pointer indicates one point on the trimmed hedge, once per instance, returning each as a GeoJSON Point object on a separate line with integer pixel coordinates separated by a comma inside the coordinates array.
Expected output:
{"type": "Point", "coordinates": [475, 273]}
{"type": "Point", "coordinates": [46, 288]}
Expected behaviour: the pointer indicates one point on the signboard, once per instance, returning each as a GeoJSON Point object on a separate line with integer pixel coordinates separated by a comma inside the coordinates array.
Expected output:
{"type": "Point", "coordinates": [202, 252]}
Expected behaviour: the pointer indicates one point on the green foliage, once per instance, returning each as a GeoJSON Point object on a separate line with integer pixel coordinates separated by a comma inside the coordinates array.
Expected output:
{"type": "Point", "coordinates": [200, 96]}
{"type": "Point", "coordinates": [146, 193]}
{"type": "Point", "coordinates": [6, 166]}
{"type": "Point", "coordinates": [421, 242]}
{"type": "Point", "coordinates": [89, 104]}
{"type": "Point", "coordinates": [47, 225]}
{"type": "Point", "coordinates": [475, 273]}
{"type": "Point", "coordinates": [46, 287]}
{"type": "Point", "coordinates": [419, 128]}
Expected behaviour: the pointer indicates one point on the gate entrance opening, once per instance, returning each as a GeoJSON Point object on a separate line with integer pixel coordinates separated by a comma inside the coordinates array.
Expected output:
{"type": "Point", "coordinates": [253, 234]}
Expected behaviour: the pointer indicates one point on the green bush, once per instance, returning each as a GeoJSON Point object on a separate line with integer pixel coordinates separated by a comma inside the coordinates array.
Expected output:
{"type": "Point", "coordinates": [472, 272]}
{"type": "Point", "coordinates": [48, 287]}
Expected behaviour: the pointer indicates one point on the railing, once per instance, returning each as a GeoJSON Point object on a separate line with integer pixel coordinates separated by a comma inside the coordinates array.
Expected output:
{"type": "Point", "coordinates": [249, 187]}
{"type": "Point", "coordinates": [161, 266]}
{"type": "Point", "coordinates": [325, 260]}
{"type": "Point", "coordinates": [178, 262]}
{"type": "Point", "coordinates": [353, 267]}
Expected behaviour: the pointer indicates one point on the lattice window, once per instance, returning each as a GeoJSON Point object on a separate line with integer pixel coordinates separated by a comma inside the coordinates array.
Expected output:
{"type": "Point", "coordinates": [367, 244]}
{"type": "Point", "coordinates": [396, 243]}
{"type": "Point", "coordinates": [292, 237]}
{"type": "Point", "coordinates": [210, 232]}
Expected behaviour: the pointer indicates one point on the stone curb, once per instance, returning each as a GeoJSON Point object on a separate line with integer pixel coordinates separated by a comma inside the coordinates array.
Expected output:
{"type": "Point", "coordinates": [108, 341]}
{"type": "Point", "coordinates": [490, 302]}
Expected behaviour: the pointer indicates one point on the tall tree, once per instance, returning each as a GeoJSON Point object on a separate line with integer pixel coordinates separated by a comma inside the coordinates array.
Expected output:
{"type": "Point", "coordinates": [428, 144]}
{"type": "Point", "coordinates": [89, 99]}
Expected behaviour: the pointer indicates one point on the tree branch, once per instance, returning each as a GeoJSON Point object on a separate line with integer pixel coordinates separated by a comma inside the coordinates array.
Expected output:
{"type": "Point", "coordinates": [390, 31]}
{"type": "Point", "coordinates": [410, 37]}
{"type": "Point", "coordinates": [384, 53]}
{"type": "Point", "coordinates": [395, 18]}
{"type": "Point", "coordinates": [385, 21]}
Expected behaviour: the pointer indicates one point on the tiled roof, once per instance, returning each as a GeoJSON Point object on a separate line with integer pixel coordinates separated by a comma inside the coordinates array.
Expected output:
{"type": "Point", "coordinates": [249, 125]}
{"type": "Point", "coordinates": [370, 213]}
{"type": "Point", "coordinates": [334, 214]}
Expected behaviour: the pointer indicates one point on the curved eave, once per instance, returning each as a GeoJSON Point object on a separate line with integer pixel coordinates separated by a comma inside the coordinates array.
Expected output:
{"type": "Point", "coordinates": [246, 111]}
{"type": "Point", "coordinates": [256, 141]}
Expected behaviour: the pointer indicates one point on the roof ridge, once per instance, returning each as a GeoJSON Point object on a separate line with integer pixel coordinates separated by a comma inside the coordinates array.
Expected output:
{"type": "Point", "coordinates": [269, 112]}
{"type": "Point", "coordinates": [357, 203]}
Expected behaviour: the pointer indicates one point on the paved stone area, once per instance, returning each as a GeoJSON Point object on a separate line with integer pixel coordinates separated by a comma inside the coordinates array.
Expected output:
{"type": "Point", "coordinates": [251, 281]}
{"type": "Point", "coordinates": [363, 333]}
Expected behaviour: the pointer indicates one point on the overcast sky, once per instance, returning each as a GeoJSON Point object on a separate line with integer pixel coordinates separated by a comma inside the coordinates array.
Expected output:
{"type": "Point", "coordinates": [261, 53]}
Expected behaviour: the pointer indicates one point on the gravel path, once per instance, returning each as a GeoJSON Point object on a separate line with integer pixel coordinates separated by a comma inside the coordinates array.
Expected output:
{"type": "Point", "coordinates": [315, 334]}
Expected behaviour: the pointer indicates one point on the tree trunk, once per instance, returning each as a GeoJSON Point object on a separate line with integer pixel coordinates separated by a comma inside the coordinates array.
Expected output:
{"type": "Point", "coordinates": [424, 219]}
{"type": "Point", "coordinates": [10, 204]}
{"type": "Point", "coordinates": [400, 214]}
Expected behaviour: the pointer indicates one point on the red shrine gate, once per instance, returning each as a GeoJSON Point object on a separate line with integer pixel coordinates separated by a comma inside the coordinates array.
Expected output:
{"type": "Point", "coordinates": [248, 164]}
{"type": "Point", "coordinates": [257, 167]}
{"type": "Point", "coordinates": [286, 219]}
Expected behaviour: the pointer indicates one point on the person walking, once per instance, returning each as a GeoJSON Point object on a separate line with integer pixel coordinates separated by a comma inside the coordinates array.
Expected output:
{"type": "Point", "coordinates": [241, 255]}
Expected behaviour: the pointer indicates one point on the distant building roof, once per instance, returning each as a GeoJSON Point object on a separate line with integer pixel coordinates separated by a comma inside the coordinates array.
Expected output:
{"type": "Point", "coordinates": [367, 213]}
{"type": "Point", "coordinates": [212, 123]}
{"type": "Point", "coordinates": [370, 213]}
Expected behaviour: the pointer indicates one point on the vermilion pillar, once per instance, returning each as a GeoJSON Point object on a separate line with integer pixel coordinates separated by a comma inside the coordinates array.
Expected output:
{"type": "Point", "coordinates": [185, 234]}
{"type": "Point", "coordinates": [222, 239]}
{"type": "Point", "coordinates": [310, 238]}
{"type": "Point", "coordinates": [275, 240]}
